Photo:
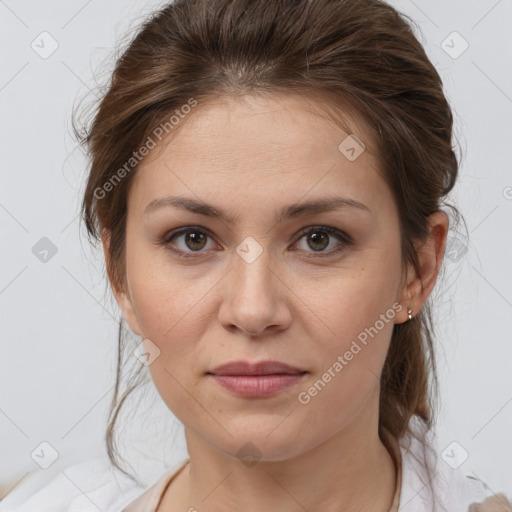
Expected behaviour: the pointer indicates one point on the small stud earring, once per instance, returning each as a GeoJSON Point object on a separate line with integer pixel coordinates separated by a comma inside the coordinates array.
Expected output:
{"type": "Point", "coordinates": [409, 312]}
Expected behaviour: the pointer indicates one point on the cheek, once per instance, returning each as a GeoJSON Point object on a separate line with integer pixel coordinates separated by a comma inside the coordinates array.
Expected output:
{"type": "Point", "coordinates": [351, 359]}
{"type": "Point", "coordinates": [351, 304]}
{"type": "Point", "coordinates": [355, 316]}
{"type": "Point", "coordinates": [171, 306]}
{"type": "Point", "coordinates": [166, 312]}
{"type": "Point", "coordinates": [162, 293]}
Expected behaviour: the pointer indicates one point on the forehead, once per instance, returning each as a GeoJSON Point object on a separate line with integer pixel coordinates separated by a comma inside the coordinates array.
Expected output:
{"type": "Point", "coordinates": [256, 146]}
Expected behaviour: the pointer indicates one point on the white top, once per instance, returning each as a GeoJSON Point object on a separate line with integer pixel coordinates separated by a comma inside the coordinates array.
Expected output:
{"type": "Point", "coordinates": [94, 485]}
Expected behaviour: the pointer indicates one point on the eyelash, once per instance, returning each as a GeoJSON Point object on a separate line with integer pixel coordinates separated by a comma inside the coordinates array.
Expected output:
{"type": "Point", "coordinates": [345, 240]}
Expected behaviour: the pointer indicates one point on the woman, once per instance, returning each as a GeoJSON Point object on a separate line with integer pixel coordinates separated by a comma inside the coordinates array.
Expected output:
{"type": "Point", "coordinates": [267, 180]}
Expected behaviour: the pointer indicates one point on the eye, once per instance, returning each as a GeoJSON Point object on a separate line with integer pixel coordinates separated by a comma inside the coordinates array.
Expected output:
{"type": "Point", "coordinates": [195, 239]}
{"type": "Point", "coordinates": [318, 239]}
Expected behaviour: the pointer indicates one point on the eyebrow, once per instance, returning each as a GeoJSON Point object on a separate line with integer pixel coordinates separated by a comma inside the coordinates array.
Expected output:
{"type": "Point", "coordinates": [294, 210]}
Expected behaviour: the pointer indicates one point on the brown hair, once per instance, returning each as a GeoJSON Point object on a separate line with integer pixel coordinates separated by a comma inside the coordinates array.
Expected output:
{"type": "Point", "coordinates": [360, 54]}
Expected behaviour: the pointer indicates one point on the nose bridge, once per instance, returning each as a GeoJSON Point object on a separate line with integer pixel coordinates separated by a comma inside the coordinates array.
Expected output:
{"type": "Point", "coordinates": [253, 301]}
{"type": "Point", "coordinates": [253, 278]}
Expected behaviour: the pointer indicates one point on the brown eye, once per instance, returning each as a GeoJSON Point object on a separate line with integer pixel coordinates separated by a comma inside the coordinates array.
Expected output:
{"type": "Point", "coordinates": [319, 238]}
{"type": "Point", "coordinates": [189, 240]}
{"type": "Point", "coordinates": [195, 240]}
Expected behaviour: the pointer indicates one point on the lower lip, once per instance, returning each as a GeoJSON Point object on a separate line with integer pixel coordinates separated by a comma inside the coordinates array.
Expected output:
{"type": "Point", "coordinates": [257, 385]}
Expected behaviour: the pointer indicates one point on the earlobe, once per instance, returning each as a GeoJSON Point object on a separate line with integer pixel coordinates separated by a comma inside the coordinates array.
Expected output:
{"type": "Point", "coordinates": [121, 296]}
{"type": "Point", "coordinates": [430, 256]}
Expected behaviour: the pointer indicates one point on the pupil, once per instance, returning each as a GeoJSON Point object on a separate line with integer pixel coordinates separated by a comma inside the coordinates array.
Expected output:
{"type": "Point", "coordinates": [316, 238]}
{"type": "Point", "coordinates": [193, 237]}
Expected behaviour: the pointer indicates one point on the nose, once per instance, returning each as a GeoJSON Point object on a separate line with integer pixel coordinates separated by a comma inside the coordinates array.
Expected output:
{"type": "Point", "coordinates": [255, 298]}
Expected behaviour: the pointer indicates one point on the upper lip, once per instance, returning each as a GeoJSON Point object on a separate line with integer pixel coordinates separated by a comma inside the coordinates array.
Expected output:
{"type": "Point", "coordinates": [259, 368]}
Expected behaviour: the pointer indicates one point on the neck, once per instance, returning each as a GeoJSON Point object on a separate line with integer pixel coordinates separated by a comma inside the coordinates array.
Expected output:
{"type": "Point", "coordinates": [352, 471]}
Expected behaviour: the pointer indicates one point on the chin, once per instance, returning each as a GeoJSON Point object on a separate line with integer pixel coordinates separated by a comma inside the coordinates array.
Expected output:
{"type": "Point", "coordinates": [265, 440]}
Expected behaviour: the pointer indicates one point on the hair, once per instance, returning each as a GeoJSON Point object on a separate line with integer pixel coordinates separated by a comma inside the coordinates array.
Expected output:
{"type": "Point", "coordinates": [355, 55]}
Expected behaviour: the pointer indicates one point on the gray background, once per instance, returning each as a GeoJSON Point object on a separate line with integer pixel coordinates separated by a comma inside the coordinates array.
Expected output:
{"type": "Point", "coordinates": [58, 330]}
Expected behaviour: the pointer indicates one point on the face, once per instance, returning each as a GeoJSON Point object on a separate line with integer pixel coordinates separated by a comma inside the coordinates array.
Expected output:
{"type": "Point", "coordinates": [315, 288]}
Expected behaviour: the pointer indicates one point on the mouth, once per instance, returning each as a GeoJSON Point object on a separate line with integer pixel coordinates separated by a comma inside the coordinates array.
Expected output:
{"type": "Point", "coordinates": [246, 368]}
{"type": "Point", "coordinates": [256, 380]}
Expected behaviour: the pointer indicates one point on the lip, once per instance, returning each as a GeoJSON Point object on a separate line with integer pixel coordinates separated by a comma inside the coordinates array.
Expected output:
{"type": "Point", "coordinates": [256, 380]}
{"type": "Point", "coordinates": [259, 368]}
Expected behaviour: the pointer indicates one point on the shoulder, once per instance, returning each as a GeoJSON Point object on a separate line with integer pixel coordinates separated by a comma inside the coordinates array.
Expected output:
{"type": "Point", "coordinates": [150, 499]}
{"type": "Point", "coordinates": [496, 503]}
{"type": "Point", "coordinates": [455, 491]}
{"type": "Point", "coordinates": [93, 484]}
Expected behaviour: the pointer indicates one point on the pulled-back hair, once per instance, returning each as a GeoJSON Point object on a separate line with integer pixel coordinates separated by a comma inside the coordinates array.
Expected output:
{"type": "Point", "coordinates": [356, 55]}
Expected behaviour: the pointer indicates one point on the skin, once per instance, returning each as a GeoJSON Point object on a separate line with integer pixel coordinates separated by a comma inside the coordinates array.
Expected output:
{"type": "Point", "coordinates": [251, 156]}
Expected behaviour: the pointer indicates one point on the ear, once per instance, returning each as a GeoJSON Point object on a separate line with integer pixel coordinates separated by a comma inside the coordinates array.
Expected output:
{"type": "Point", "coordinates": [122, 297]}
{"type": "Point", "coordinates": [430, 256]}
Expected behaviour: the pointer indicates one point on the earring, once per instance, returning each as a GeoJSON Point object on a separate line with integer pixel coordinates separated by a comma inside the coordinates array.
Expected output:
{"type": "Point", "coordinates": [409, 312]}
